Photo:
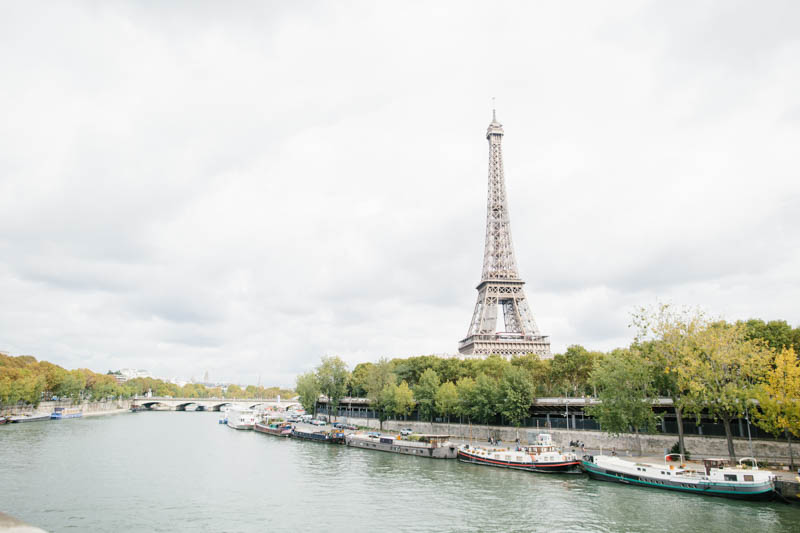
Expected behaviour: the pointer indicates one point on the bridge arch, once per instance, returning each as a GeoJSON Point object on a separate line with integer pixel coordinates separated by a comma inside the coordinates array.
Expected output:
{"type": "Point", "coordinates": [150, 405]}
{"type": "Point", "coordinates": [219, 406]}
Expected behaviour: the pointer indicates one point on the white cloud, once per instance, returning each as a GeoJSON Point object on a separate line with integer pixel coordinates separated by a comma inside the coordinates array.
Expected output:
{"type": "Point", "coordinates": [188, 186]}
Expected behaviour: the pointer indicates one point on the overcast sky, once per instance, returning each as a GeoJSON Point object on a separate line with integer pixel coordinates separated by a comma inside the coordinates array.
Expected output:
{"type": "Point", "coordinates": [245, 187]}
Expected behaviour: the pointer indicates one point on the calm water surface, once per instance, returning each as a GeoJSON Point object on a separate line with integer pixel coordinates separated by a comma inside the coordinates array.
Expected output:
{"type": "Point", "coordinates": [181, 471]}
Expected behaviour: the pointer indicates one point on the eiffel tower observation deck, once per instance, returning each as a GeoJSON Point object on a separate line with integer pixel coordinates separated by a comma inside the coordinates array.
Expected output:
{"type": "Point", "coordinates": [500, 284]}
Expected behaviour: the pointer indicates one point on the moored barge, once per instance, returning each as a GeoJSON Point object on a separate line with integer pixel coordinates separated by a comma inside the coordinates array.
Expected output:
{"type": "Point", "coordinates": [331, 437]}
{"type": "Point", "coordinates": [713, 480]}
{"type": "Point", "coordinates": [435, 446]}
{"type": "Point", "coordinates": [278, 429]}
{"type": "Point", "coordinates": [62, 412]}
{"type": "Point", "coordinates": [29, 418]}
{"type": "Point", "coordinates": [542, 456]}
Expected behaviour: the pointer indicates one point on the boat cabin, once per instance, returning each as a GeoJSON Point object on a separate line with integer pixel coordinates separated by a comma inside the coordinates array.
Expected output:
{"type": "Point", "coordinates": [713, 463]}
{"type": "Point", "coordinates": [436, 440]}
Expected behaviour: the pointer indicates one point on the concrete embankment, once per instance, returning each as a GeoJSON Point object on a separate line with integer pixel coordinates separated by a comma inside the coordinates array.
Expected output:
{"type": "Point", "coordinates": [789, 489]}
{"type": "Point", "coordinates": [768, 451]}
{"type": "Point", "coordinates": [86, 408]}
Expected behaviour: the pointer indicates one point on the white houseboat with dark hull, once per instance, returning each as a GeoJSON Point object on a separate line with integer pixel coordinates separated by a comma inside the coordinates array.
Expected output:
{"type": "Point", "coordinates": [542, 456]}
{"type": "Point", "coordinates": [240, 418]}
{"type": "Point", "coordinates": [713, 480]}
{"type": "Point", "coordinates": [435, 446]}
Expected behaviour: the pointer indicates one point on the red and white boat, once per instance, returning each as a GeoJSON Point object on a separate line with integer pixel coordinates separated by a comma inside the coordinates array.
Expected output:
{"type": "Point", "coordinates": [541, 456]}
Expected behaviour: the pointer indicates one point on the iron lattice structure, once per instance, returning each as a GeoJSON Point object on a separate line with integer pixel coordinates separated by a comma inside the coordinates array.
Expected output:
{"type": "Point", "coordinates": [500, 284]}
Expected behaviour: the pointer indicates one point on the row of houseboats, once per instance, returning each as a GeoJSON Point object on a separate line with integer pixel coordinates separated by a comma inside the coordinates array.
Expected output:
{"type": "Point", "coordinates": [58, 413]}
{"type": "Point", "coordinates": [712, 479]}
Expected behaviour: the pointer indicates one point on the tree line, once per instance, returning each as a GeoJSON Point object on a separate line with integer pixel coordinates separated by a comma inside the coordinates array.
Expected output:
{"type": "Point", "coordinates": [25, 380]}
{"type": "Point", "coordinates": [725, 371]}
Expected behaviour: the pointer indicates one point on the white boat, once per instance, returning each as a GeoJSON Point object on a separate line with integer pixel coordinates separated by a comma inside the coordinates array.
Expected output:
{"type": "Point", "coordinates": [714, 479]}
{"type": "Point", "coordinates": [241, 418]}
{"type": "Point", "coordinates": [541, 456]}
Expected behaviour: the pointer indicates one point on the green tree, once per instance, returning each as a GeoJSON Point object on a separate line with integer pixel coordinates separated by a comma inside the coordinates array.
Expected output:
{"type": "Point", "coordinates": [425, 394]}
{"type": "Point", "coordinates": [384, 403]}
{"type": "Point", "coordinates": [537, 370]}
{"type": "Point", "coordinates": [485, 399]}
{"type": "Point", "coordinates": [776, 333]}
{"type": "Point", "coordinates": [332, 378]}
{"type": "Point", "coordinates": [358, 380]}
{"type": "Point", "coordinates": [667, 338]}
{"type": "Point", "coordinates": [379, 377]}
{"type": "Point", "coordinates": [447, 400]}
{"type": "Point", "coordinates": [403, 401]}
{"type": "Point", "coordinates": [453, 369]}
{"type": "Point", "coordinates": [778, 408]}
{"type": "Point", "coordinates": [626, 390]}
{"type": "Point", "coordinates": [308, 391]}
{"type": "Point", "coordinates": [516, 395]}
{"type": "Point", "coordinates": [465, 387]}
{"type": "Point", "coordinates": [493, 366]}
{"type": "Point", "coordinates": [103, 387]}
{"type": "Point", "coordinates": [571, 370]}
{"type": "Point", "coordinates": [721, 374]}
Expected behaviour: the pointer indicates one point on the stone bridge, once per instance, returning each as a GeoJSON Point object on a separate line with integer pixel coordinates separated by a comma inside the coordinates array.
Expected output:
{"type": "Point", "coordinates": [208, 404]}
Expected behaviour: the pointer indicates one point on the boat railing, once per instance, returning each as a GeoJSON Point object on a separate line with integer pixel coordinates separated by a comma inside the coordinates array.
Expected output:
{"type": "Point", "coordinates": [753, 460]}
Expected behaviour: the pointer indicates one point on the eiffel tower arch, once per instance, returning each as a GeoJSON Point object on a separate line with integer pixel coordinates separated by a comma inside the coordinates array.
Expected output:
{"type": "Point", "coordinates": [501, 286]}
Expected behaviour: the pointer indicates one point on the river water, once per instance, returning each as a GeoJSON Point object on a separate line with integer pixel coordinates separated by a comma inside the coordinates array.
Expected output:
{"type": "Point", "coordinates": [181, 471]}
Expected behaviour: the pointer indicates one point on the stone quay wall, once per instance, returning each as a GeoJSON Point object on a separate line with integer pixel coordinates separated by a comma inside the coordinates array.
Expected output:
{"type": "Point", "coordinates": [773, 452]}
{"type": "Point", "coordinates": [86, 407]}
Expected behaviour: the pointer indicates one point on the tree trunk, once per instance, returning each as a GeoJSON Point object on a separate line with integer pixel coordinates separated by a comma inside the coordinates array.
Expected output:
{"type": "Point", "coordinates": [791, 455]}
{"type": "Point", "coordinates": [638, 441]}
{"type": "Point", "coordinates": [729, 436]}
{"type": "Point", "coordinates": [679, 418]}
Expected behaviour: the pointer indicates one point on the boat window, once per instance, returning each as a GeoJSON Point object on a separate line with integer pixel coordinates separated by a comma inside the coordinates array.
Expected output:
{"type": "Point", "coordinates": [748, 477]}
{"type": "Point", "coordinates": [730, 477]}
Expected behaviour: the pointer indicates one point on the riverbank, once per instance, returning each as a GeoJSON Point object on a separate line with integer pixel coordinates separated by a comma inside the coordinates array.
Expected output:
{"type": "Point", "coordinates": [86, 408]}
{"type": "Point", "coordinates": [766, 451]}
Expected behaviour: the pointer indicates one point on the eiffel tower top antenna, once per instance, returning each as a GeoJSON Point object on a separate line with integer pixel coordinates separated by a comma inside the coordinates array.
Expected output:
{"type": "Point", "coordinates": [494, 113]}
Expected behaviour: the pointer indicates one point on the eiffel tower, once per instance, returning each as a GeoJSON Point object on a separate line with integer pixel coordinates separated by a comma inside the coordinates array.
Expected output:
{"type": "Point", "coordinates": [500, 283]}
